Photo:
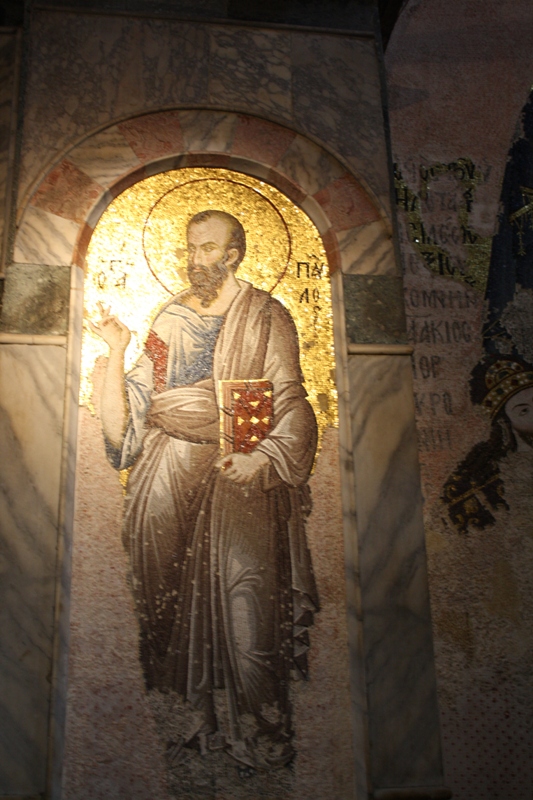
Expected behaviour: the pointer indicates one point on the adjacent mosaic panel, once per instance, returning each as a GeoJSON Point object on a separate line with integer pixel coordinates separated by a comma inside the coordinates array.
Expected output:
{"type": "Point", "coordinates": [469, 303]}
{"type": "Point", "coordinates": [208, 620]}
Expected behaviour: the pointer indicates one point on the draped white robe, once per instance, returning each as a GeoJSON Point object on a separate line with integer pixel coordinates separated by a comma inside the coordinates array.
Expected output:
{"type": "Point", "coordinates": [221, 573]}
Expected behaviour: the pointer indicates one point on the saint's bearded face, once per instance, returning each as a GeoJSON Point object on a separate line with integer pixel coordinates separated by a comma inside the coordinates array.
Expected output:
{"type": "Point", "coordinates": [206, 281]}
{"type": "Point", "coordinates": [209, 258]}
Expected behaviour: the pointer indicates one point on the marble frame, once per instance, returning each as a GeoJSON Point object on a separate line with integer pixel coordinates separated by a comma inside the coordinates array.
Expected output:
{"type": "Point", "coordinates": [55, 224]}
{"type": "Point", "coordinates": [55, 228]}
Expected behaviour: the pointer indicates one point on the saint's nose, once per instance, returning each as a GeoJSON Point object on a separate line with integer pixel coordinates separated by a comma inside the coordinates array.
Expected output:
{"type": "Point", "coordinates": [196, 258]}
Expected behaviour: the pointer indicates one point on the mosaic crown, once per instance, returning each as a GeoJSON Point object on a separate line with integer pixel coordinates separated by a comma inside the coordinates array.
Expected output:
{"type": "Point", "coordinates": [503, 379]}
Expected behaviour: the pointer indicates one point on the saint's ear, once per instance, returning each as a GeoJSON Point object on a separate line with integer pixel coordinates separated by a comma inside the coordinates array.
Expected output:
{"type": "Point", "coordinates": [232, 256]}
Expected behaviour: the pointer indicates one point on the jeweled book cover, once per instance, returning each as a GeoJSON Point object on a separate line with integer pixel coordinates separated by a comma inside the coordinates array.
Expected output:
{"type": "Point", "coordinates": [246, 414]}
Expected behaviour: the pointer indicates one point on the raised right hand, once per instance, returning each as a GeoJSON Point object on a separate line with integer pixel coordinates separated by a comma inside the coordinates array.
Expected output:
{"type": "Point", "coordinates": [111, 330]}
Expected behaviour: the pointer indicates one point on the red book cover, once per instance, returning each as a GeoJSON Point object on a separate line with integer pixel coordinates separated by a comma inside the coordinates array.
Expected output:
{"type": "Point", "coordinates": [246, 414]}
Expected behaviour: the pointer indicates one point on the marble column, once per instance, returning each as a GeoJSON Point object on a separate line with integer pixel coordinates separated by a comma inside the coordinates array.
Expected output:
{"type": "Point", "coordinates": [9, 79]}
{"type": "Point", "coordinates": [384, 529]}
{"type": "Point", "coordinates": [31, 421]}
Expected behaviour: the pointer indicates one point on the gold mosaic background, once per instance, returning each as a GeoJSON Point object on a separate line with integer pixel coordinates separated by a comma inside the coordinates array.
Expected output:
{"type": "Point", "coordinates": [137, 259]}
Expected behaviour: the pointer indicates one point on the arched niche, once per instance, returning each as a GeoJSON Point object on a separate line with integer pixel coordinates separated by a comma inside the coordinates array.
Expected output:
{"type": "Point", "coordinates": [99, 589]}
{"type": "Point", "coordinates": [57, 224]}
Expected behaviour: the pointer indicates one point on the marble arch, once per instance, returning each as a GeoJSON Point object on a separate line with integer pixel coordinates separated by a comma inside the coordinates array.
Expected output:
{"type": "Point", "coordinates": [56, 224]}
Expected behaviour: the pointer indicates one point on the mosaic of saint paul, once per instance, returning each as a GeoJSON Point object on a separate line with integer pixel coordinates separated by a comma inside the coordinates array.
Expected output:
{"type": "Point", "coordinates": [221, 571]}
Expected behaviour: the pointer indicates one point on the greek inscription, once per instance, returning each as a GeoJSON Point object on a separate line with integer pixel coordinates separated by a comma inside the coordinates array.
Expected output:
{"type": "Point", "coordinates": [451, 248]}
{"type": "Point", "coordinates": [406, 199]}
{"type": "Point", "coordinates": [469, 237]}
{"type": "Point", "coordinates": [445, 233]}
{"type": "Point", "coordinates": [439, 332]}
{"type": "Point", "coordinates": [469, 199]}
{"type": "Point", "coordinates": [434, 439]}
{"type": "Point", "coordinates": [440, 201]}
{"type": "Point", "coordinates": [426, 366]}
{"type": "Point", "coordinates": [434, 403]}
{"type": "Point", "coordinates": [438, 298]}
{"type": "Point", "coordinates": [113, 275]}
{"type": "Point", "coordinates": [307, 270]}
{"type": "Point", "coordinates": [462, 169]}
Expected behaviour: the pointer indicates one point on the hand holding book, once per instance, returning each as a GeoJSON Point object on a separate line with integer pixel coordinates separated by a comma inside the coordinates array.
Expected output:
{"type": "Point", "coordinates": [242, 467]}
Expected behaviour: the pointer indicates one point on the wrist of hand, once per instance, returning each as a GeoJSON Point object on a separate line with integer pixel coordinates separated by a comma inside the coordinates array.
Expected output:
{"type": "Point", "coordinates": [117, 351]}
{"type": "Point", "coordinates": [260, 458]}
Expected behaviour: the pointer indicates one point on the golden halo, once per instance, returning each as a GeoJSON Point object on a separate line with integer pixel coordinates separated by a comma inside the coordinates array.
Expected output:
{"type": "Point", "coordinates": [268, 241]}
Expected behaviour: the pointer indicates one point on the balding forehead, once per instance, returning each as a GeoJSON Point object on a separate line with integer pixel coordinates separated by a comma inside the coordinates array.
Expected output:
{"type": "Point", "coordinates": [215, 228]}
{"type": "Point", "coordinates": [214, 213]}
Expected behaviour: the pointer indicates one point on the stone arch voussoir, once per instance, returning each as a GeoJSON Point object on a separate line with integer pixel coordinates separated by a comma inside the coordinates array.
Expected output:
{"type": "Point", "coordinates": [57, 223]}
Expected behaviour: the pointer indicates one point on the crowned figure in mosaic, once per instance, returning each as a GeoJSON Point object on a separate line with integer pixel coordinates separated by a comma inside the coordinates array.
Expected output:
{"type": "Point", "coordinates": [486, 570]}
{"type": "Point", "coordinates": [221, 571]}
{"type": "Point", "coordinates": [503, 387]}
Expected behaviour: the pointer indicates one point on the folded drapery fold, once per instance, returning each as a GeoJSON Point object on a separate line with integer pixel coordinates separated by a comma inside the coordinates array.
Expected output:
{"type": "Point", "coordinates": [187, 412]}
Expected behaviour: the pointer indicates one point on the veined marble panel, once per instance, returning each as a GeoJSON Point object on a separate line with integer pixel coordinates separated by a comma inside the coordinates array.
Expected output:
{"type": "Point", "coordinates": [347, 204]}
{"type": "Point", "coordinates": [153, 135]}
{"type": "Point", "coordinates": [105, 156]}
{"type": "Point", "coordinates": [368, 250]}
{"type": "Point", "coordinates": [251, 65]}
{"type": "Point", "coordinates": [309, 165]}
{"type": "Point", "coordinates": [261, 140]}
{"type": "Point", "coordinates": [315, 211]}
{"type": "Point", "coordinates": [353, 588]}
{"type": "Point", "coordinates": [337, 98]}
{"type": "Point", "coordinates": [87, 70]}
{"type": "Point", "coordinates": [8, 50]}
{"type": "Point", "coordinates": [45, 238]}
{"type": "Point", "coordinates": [58, 706]}
{"type": "Point", "coordinates": [203, 130]}
{"type": "Point", "coordinates": [31, 410]}
{"type": "Point", "coordinates": [67, 192]}
{"type": "Point", "coordinates": [403, 715]}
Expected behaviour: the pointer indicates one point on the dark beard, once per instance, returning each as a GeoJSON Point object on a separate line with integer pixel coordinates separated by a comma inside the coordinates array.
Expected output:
{"type": "Point", "coordinates": [207, 281]}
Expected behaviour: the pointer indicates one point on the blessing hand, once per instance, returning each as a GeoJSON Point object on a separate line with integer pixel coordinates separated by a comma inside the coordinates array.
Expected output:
{"type": "Point", "coordinates": [242, 467]}
{"type": "Point", "coordinates": [111, 330]}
